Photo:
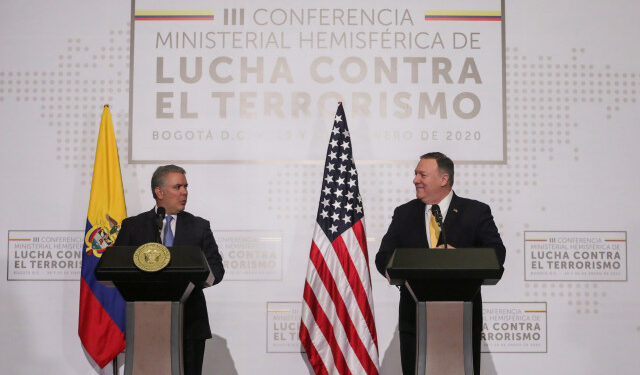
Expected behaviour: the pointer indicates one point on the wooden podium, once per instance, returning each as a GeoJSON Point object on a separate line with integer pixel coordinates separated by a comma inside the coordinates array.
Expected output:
{"type": "Point", "coordinates": [443, 283]}
{"type": "Point", "coordinates": [154, 304]}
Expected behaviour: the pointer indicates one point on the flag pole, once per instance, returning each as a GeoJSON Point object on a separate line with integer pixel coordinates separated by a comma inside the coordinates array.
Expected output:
{"type": "Point", "coordinates": [337, 328]}
{"type": "Point", "coordinates": [101, 319]}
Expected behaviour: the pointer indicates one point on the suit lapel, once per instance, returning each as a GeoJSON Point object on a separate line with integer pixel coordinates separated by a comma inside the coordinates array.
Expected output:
{"type": "Point", "coordinates": [150, 226]}
{"type": "Point", "coordinates": [452, 215]}
{"type": "Point", "coordinates": [181, 227]}
{"type": "Point", "coordinates": [422, 219]}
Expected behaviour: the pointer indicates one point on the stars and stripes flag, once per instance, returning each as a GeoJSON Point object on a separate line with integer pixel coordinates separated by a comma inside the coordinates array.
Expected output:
{"type": "Point", "coordinates": [337, 330]}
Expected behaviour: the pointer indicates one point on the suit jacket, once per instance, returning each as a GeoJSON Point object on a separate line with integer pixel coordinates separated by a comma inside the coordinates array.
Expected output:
{"type": "Point", "coordinates": [190, 230]}
{"type": "Point", "coordinates": [468, 223]}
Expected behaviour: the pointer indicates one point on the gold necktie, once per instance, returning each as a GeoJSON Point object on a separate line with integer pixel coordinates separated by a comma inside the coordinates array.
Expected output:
{"type": "Point", "coordinates": [434, 231]}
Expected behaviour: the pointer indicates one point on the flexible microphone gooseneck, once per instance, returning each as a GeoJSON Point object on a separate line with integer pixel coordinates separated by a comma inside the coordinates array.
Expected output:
{"type": "Point", "coordinates": [160, 213]}
{"type": "Point", "coordinates": [435, 211]}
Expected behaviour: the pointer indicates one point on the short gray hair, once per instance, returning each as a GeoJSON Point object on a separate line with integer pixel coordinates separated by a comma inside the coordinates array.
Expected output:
{"type": "Point", "coordinates": [157, 180]}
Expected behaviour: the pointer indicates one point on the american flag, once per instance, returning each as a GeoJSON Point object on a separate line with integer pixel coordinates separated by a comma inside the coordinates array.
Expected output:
{"type": "Point", "coordinates": [338, 330]}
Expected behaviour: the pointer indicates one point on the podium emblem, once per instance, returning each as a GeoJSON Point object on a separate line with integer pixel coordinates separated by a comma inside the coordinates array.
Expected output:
{"type": "Point", "coordinates": [151, 257]}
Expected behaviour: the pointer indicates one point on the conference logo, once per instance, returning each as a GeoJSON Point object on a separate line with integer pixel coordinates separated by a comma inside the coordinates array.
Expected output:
{"type": "Point", "coordinates": [575, 256]}
{"type": "Point", "coordinates": [251, 254]}
{"type": "Point", "coordinates": [251, 83]}
{"type": "Point", "coordinates": [283, 323]}
{"type": "Point", "coordinates": [44, 255]}
{"type": "Point", "coordinates": [101, 236]}
{"type": "Point", "coordinates": [514, 327]}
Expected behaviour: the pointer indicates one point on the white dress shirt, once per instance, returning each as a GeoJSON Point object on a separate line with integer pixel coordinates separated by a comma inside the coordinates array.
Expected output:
{"type": "Point", "coordinates": [444, 207]}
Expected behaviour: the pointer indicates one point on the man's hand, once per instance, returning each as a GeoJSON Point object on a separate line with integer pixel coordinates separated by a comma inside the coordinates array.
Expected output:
{"type": "Point", "coordinates": [448, 247]}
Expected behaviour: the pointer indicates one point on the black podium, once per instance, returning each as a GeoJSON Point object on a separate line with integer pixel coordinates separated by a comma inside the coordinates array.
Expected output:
{"type": "Point", "coordinates": [443, 283]}
{"type": "Point", "coordinates": [154, 303]}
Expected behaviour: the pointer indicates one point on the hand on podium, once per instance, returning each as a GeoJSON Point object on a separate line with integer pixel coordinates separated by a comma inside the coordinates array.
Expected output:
{"type": "Point", "coordinates": [442, 247]}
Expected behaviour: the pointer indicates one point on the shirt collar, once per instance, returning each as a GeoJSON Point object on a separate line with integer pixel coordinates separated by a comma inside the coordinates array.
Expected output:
{"type": "Point", "coordinates": [175, 216]}
{"type": "Point", "coordinates": [444, 205]}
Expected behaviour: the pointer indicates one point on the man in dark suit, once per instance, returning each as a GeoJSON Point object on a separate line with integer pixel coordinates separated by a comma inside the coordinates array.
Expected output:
{"type": "Point", "coordinates": [169, 189]}
{"type": "Point", "coordinates": [467, 223]}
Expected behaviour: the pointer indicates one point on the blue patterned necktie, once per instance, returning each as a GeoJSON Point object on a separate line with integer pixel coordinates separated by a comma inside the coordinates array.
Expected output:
{"type": "Point", "coordinates": [168, 233]}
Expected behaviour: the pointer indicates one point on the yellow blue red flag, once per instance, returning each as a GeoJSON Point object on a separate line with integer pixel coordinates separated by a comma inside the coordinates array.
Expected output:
{"type": "Point", "coordinates": [101, 323]}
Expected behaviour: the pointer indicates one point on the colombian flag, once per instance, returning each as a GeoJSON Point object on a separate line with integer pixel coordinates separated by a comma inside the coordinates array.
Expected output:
{"type": "Point", "coordinates": [101, 323]}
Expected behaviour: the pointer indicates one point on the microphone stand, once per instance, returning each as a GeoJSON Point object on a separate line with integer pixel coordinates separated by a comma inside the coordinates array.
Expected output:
{"type": "Point", "coordinates": [158, 222]}
{"type": "Point", "coordinates": [444, 234]}
{"type": "Point", "coordinates": [435, 211]}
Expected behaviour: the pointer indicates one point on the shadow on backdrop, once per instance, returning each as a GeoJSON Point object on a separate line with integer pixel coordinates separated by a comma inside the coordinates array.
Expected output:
{"type": "Point", "coordinates": [487, 367]}
{"type": "Point", "coordinates": [390, 360]}
{"type": "Point", "coordinates": [303, 354]}
{"type": "Point", "coordinates": [217, 358]}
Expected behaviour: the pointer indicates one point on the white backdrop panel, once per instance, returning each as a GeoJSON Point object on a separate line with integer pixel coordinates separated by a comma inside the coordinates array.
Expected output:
{"type": "Point", "coordinates": [568, 172]}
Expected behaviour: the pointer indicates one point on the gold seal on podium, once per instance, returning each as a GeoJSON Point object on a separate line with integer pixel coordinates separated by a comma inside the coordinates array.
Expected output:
{"type": "Point", "coordinates": [151, 257]}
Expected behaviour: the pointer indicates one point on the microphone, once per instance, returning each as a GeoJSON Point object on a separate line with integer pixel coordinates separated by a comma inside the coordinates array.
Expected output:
{"type": "Point", "coordinates": [435, 211]}
{"type": "Point", "coordinates": [160, 214]}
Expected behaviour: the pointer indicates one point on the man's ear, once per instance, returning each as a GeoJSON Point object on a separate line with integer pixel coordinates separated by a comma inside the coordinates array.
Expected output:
{"type": "Point", "coordinates": [444, 181]}
{"type": "Point", "coordinates": [159, 192]}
